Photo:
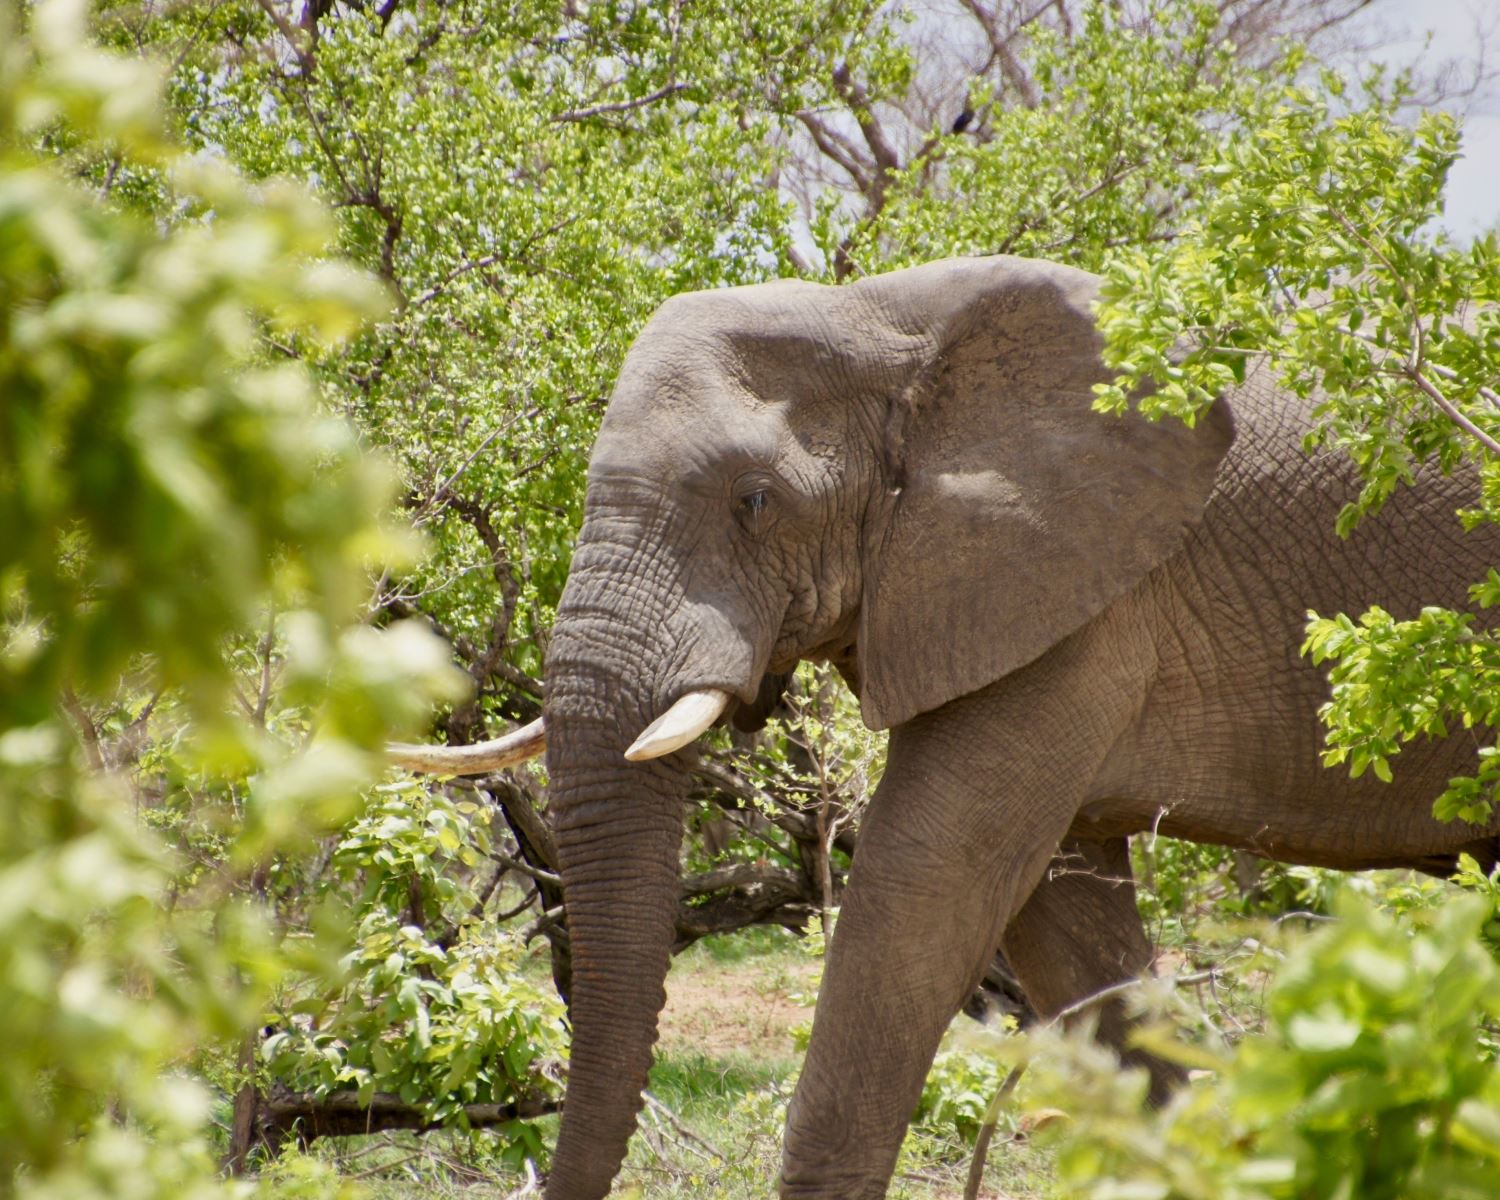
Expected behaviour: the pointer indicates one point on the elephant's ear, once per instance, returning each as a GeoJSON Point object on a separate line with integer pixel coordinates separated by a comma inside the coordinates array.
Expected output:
{"type": "Point", "coordinates": [1016, 512]}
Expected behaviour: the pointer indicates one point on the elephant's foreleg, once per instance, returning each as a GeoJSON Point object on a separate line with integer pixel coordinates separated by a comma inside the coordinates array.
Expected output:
{"type": "Point", "coordinates": [1079, 933]}
{"type": "Point", "coordinates": [975, 799]}
{"type": "Point", "coordinates": [924, 909]}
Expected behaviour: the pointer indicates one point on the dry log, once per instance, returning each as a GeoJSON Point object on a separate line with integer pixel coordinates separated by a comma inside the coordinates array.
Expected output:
{"type": "Point", "coordinates": [307, 1116]}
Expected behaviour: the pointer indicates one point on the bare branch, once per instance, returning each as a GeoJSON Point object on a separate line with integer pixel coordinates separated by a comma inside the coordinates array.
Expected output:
{"type": "Point", "coordinates": [1432, 392]}
{"type": "Point", "coordinates": [987, 1133]}
{"type": "Point", "coordinates": [835, 146]}
{"type": "Point", "coordinates": [309, 1116]}
{"type": "Point", "coordinates": [599, 110]}
{"type": "Point", "coordinates": [1129, 985]}
{"type": "Point", "coordinates": [1001, 53]}
{"type": "Point", "coordinates": [676, 1123]}
{"type": "Point", "coordinates": [476, 264]}
{"type": "Point", "coordinates": [293, 36]}
{"type": "Point", "coordinates": [88, 732]}
{"type": "Point", "coordinates": [525, 868]}
{"type": "Point", "coordinates": [857, 96]}
{"type": "Point", "coordinates": [263, 698]}
{"type": "Point", "coordinates": [743, 874]}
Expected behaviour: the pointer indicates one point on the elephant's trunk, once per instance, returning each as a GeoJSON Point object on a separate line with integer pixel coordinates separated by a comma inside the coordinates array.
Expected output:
{"type": "Point", "coordinates": [618, 826]}
{"type": "Point", "coordinates": [634, 665]}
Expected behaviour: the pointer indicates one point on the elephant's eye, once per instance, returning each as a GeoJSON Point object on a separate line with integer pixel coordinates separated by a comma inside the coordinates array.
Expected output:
{"type": "Point", "coordinates": [751, 508]}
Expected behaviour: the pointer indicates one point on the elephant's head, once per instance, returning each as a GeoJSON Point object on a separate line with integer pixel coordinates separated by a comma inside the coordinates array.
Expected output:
{"type": "Point", "coordinates": [904, 475]}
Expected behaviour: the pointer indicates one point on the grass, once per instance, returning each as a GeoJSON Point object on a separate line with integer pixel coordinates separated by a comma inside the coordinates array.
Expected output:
{"type": "Point", "coordinates": [699, 1083]}
{"type": "Point", "coordinates": [730, 1048]}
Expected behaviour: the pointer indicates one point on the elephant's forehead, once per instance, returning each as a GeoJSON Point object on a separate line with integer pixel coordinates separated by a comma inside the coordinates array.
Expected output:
{"type": "Point", "coordinates": [702, 353]}
{"type": "Point", "coordinates": [745, 327]}
{"type": "Point", "coordinates": [680, 426]}
{"type": "Point", "coordinates": [780, 303]}
{"type": "Point", "coordinates": [710, 380]}
{"type": "Point", "coordinates": [704, 348]}
{"type": "Point", "coordinates": [683, 376]}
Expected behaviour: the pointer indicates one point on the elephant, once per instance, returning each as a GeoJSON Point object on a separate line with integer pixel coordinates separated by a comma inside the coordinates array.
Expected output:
{"type": "Point", "coordinates": [1075, 627]}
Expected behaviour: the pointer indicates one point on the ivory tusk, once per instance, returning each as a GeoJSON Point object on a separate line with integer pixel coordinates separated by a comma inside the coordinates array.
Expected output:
{"type": "Point", "coordinates": [515, 747]}
{"type": "Point", "coordinates": [679, 725]}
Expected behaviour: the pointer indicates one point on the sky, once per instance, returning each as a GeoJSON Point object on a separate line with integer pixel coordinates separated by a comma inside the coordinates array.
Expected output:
{"type": "Point", "coordinates": [1474, 183]}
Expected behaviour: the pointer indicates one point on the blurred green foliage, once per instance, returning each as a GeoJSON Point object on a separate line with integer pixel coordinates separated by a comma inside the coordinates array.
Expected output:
{"type": "Point", "coordinates": [1365, 1081]}
{"type": "Point", "coordinates": [161, 489]}
{"type": "Point", "coordinates": [145, 447]}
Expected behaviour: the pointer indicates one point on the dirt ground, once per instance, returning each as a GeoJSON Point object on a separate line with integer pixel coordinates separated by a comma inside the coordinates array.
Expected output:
{"type": "Point", "coordinates": [717, 1008]}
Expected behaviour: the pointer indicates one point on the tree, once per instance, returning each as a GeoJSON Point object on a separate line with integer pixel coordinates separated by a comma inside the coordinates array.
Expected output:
{"type": "Point", "coordinates": [527, 185]}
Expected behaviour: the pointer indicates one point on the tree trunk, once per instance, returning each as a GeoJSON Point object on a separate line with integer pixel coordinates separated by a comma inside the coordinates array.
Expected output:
{"type": "Point", "coordinates": [243, 1132]}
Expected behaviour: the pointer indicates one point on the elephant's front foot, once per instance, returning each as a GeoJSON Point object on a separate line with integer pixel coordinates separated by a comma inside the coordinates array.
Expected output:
{"type": "Point", "coordinates": [824, 1157]}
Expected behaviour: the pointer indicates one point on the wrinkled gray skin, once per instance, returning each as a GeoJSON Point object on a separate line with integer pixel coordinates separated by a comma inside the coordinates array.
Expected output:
{"type": "Point", "coordinates": [1075, 627]}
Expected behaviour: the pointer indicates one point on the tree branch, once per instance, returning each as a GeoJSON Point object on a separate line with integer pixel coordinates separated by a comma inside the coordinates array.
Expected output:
{"type": "Point", "coordinates": [599, 110]}
{"type": "Point", "coordinates": [838, 148]}
{"type": "Point", "coordinates": [1001, 53]}
{"type": "Point", "coordinates": [1432, 392]}
{"type": "Point", "coordinates": [88, 732]}
{"type": "Point", "coordinates": [293, 37]}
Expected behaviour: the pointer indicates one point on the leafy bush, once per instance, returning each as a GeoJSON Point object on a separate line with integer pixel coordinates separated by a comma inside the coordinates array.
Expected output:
{"type": "Point", "coordinates": [434, 1011]}
{"type": "Point", "coordinates": [1365, 1083]}
{"type": "Point", "coordinates": [964, 1077]}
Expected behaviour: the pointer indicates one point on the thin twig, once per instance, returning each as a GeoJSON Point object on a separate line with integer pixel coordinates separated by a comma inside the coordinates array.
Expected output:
{"type": "Point", "coordinates": [552, 918]}
{"type": "Point", "coordinates": [477, 264]}
{"type": "Point", "coordinates": [267, 645]}
{"type": "Point", "coordinates": [987, 1133]}
{"type": "Point", "coordinates": [599, 110]}
{"type": "Point", "coordinates": [501, 918]}
{"type": "Point", "coordinates": [1430, 389]}
{"type": "Point", "coordinates": [382, 1167]}
{"type": "Point", "coordinates": [441, 492]}
{"type": "Point", "coordinates": [88, 732]}
{"type": "Point", "coordinates": [1120, 989]}
{"type": "Point", "coordinates": [1301, 915]}
{"type": "Point", "coordinates": [673, 1120]}
{"type": "Point", "coordinates": [515, 864]}
{"type": "Point", "coordinates": [1450, 374]}
{"type": "Point", "coordinates": [1412, 368]}
{"type": "Point", "coordinates": [293, 38]}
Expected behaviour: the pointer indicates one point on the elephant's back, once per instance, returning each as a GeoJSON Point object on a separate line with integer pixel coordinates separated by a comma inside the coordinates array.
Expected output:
{"type": "Point", "coordinates": [1272, 522]}
{"type": "Point", "coordinates": [1227, 745]}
